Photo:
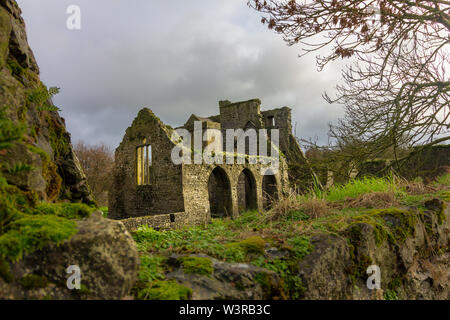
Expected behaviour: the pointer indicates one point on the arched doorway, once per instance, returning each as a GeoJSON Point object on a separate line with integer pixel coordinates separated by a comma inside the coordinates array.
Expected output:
{"type": "Point", "coordinates": [246, 191]}
{"type": "Point", "coordinates": [219, 194]}
{"type": "Point", "coordinates": [270, 191]}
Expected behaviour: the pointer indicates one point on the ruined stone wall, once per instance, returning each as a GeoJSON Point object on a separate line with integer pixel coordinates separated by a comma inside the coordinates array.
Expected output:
{"type": "Point", "coordinates": [301, 174]}
{"type": "Point", "coordinates": [195, 186]}
{"type": "Point", "coordinates": [187, 189]}
{"type": "Point", "coordinates": [164, 193]}
{"type": "Point", "coordinates": [282, 119]}
{"type": "Point", "coordinates": [237, 115]}
{"type": "Point", "coordinates": [196, 197]}
{"type": "Point", "coordinates": [158, 222]}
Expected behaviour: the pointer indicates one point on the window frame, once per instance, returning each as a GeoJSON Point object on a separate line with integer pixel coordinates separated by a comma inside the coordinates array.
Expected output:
{"type": "Point", "coordinates": [144, 161]}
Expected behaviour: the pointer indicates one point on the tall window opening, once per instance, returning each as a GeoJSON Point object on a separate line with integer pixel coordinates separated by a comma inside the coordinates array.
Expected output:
{"type": "Point", "coordinates": [144, 163]}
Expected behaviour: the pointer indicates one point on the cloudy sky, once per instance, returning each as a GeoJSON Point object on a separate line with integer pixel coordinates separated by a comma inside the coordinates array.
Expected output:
{"type": "Point", "coordinates": [175, 57]}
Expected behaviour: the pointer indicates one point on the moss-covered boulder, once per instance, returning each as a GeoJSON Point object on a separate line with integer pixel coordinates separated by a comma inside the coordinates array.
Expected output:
{"type": "Point", "coordinates": [211, 279]}
{"type": "Point", "coordinates": [103, 250]}
{"type": "Point", "coordinates": [409, 245]}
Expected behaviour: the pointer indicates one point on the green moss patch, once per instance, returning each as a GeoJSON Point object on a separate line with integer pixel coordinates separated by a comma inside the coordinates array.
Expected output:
{"type": "Point", "coordinates": [32, 233]}
{"type": "Point", "coordinates": [196, 265]}
{"type": "Point", "coordinates": [66, 210]}
{"type": "Point", "coordinates": [164, 290]}
{"type": "Point", "coordinates": [287, 270]}
{"type": "Point", "coordinates": [401, 223]}
{"type": "Point", "coordinates": [5, 31]}
{"type": "Point", "coordinates": [49, 173]}
{"type": "Point", "coordinates": [16, 69]}
{"type": "Point", "coordinates": [300, 246]}
{"type": "Point", "coordinates": [266, 283]}
{"type": "Point", "coordinates": [5, 271]}
{"type": "Point", "coordinates": [33, 281]}
{"type": "Point", "coordinates": [392, 224]}
{"type": "Point", "coordinates": [250, 245]}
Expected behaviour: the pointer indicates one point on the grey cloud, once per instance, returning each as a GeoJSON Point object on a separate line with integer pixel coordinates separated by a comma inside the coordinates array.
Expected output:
{"type": "Point", "coordinates": [177, 57]}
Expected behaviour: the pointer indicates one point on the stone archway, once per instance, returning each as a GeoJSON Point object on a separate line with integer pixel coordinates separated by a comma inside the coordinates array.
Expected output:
{"type": "Point", "coordinates": [219, 194]}
{"type": "Point", "coordinates": [269, 190]}
{"type": "Point", "coordinates": [246, 191]}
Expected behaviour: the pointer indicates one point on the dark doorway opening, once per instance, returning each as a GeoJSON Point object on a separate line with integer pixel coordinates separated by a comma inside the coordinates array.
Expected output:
{"type": "Point", "coordinates": [246, 191]}
{"type": "Point", "coordinates": [219, 194]}
{"type": "Point", "coordinates": [270, 191]}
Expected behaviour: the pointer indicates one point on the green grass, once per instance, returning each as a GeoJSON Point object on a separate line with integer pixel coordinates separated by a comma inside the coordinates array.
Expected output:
{"type": "Point", "coordinates": [390, 295]}
{"type": "Point", "coordinates": [287, 270]}
{"type": "Point", "coordinates": [210, 240]}
{"type": "Point", "coordinates": [163, 290]}
{"type": "Point", "coordinates": [443, 180]}
{"type": "Point", "coordinates": [151, 267]}
{"type": "Point", "coordinates": [358, 187]}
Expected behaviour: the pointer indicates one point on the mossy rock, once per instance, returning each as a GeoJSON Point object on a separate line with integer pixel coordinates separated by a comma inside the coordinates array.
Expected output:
{"type": "Point", "coordinates": [438, 207]}
{"type": "Point", "coordinates": [5, 31]}
{"type": "Point", "coordinates": [393, 224]}
{"type": "Point", "coordinates": [49, 173]}
{"type": "Point", "coordinates": [402, 223]}
{"type": "Point", "coordinates": [265, 281]}
{"type": "Point", "coordinates": [196, 265]}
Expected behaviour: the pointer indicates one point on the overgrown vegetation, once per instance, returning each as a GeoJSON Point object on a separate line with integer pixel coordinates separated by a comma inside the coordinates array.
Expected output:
{"type": "Point", "coordinates": [196, 265]}
{"type": "Point", "coordinates": [27, 225]}
{"type": "Point", "coordinates": [163, 290]}
{"type": "Point", "coordinates": [289, 227]}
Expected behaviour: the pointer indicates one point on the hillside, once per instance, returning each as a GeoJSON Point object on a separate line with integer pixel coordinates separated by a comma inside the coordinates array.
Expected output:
{"type": "Point", "coordinates": [309, 247]}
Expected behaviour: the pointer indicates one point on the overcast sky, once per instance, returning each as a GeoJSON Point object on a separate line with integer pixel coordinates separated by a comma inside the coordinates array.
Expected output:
{"type": "Point", "coordinates": [175, 57]}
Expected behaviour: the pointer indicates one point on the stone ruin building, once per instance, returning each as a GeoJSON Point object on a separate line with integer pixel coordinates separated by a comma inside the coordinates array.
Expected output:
{"type": "Point", "coordinates": [149, 188]}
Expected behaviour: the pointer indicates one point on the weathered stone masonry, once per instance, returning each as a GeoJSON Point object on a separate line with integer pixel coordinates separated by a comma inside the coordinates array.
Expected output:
{"type": "Point", "coordinates": [164, 195]}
